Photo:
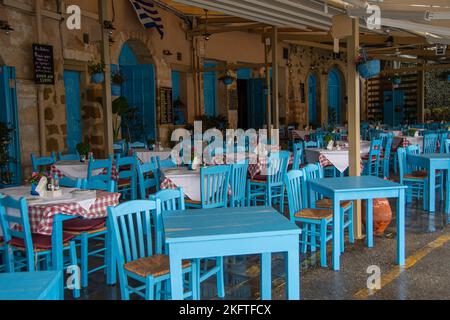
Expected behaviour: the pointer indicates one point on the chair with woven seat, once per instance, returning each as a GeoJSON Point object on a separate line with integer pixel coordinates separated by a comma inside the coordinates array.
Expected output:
{"type": "Point", "coordinates": [126, 180]}
{"type": "Point", "coordinates": [42, 164]}
{"type": "Point", "coordinates": [100, 170]}
{"type": "Point", "coordinates": [86, 230]}
{"type": "Point", "coordinates": [372, 161]}
{"type": "Point", "coordinates": [214, 186]}
{"type": "Point", "coordinates": [172, 200]}
{"type": "Point", "coordinates": [270, 187]}
{"type": "Point", "coordinates": [68, 157]}
{"type": "Point", "coordinates": [148, 178]}
{"type": "Point", "coordinates": [135, 254]}
{"type": "Point", "coordinates": [309, 219]}
{"type": "Point", "coordinates": [238, 182]}
{"type": "Point", "coordinates": [314, 171]}
{"type": "Point", "coordinates": [35, 249]}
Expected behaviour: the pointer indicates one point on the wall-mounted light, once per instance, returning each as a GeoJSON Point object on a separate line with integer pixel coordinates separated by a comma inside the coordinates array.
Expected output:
{"type": "Point", "coordinates": [108, 25]}
{"type": "Point", "coordinates": [206, 34]}
{"type": "Point", "coordinates": [5, 27]}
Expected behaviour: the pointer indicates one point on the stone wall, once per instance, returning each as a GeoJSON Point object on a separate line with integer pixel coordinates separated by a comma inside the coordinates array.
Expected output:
{"type": "Point", "coordinates": [437, 90]}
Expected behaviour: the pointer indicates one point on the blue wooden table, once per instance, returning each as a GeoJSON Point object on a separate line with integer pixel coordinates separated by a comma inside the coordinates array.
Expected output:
{"type": "Point", "coordinates": [432, 162]}
{"type": "Point", "coordinates": [207, 233]}
{"type": "Point", "coordinates": [362, 188]}
{"type": "Point", "coordinates": [42, 285]}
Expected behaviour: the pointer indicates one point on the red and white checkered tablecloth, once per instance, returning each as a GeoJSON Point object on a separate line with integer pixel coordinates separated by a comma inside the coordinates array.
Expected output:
{"type": "Point", "coordinates": [114, 173]}
{"type": "Point", "coordinates": [41, 216]}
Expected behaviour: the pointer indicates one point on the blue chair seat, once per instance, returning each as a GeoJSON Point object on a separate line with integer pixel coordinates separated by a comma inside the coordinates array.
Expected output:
{"type": "Point", "coordinates": [316, 214]}
{"type": "Point", "coordinates": [40, 242]}
{"type": "Point", "coordinates": [156, 266]}
{"type": "Point", "coordinates": [81, 225]}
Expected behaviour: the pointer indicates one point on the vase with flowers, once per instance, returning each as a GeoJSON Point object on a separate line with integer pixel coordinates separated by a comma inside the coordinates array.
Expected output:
{"type": "Point", "coordinates": [34, 181]}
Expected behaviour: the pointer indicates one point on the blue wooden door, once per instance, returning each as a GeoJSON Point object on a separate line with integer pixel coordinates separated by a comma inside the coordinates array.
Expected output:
{"type": "Point", "coordinates": [334, 97]}
{"type": "Point", "coordinates": [175, 86]}
{"type": "Point", "coordinates": [73, 113]}
{"type": "Point", "coordinates": [257, 103]}
{"type": "Point", "coordinates": [139, 90]}
{"type": "Point", "coordinates": [312, 99]}
{"type": "Point", "coordinates": [209, 85]}
{"type": "Point", "coordinates": [12, 171]}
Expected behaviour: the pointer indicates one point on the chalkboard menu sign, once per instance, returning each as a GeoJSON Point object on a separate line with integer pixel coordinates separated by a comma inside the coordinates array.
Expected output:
{"type": "Point", "coordinates": [44, 71]}
{"type": "Point", "coordinates": [166, 106]}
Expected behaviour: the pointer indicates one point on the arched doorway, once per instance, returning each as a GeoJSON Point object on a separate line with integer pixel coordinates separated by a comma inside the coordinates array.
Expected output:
{"type": "Point", "coordinates": [334, 97]}
{"type": "Point", "coordinates": [312, 99]}
{"type": "Point", "coordinates": [139, 88]}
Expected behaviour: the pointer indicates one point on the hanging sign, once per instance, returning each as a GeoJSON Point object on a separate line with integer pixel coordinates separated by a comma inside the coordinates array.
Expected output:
{"type": "Point", "coordinates": [44, 70]}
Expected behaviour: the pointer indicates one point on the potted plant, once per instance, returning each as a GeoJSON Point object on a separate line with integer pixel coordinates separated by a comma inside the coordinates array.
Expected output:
{"type": "Point", "coordinates": [5, 158]}
{"type": "Point", "coordinates": [83, 150]}
{"type": "Point", "coordinates": [367, 67]}
{"type": "Point", "coordinates": [329, 141]}
{"type": "Point", "coordinates": [227, 78]}
{"type": "Point", "coordinates": [116, 84]}
{"type": "Point", "coordinates": [34, 181]}
{"type": "Point", "coordinates": [97, 71]}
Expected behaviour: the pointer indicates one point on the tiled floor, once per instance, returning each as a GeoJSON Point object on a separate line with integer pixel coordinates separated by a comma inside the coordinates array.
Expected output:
{"type": "Point", "coordinates": [425, 277]}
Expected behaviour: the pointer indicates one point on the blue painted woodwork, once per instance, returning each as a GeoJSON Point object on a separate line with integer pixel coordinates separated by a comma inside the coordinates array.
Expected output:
{"type": "Point", "coordinates": [416, 183]}
{"type": "Point", "coordinates": [257, 103]}
{"type": "Point", "coordinates": [127, 56]}
{"type": "Point", "coordinates": [73, 109]}
{"type": "Point", "coordinates": [430, 141]}
{"type": "Point", "coordinates": [393, 108]}
{"type": "Point", "coordinates": [387, 139]}
{"type": "Point", "coordinates": [373, 161]}
{"type": "Point", "coordinates": [33, 253]}
{"type": "Point", "coordinates": [238, 182]}
{"type": "Point", "coordinates": [312, 99]}
{"type": "Point", "coordinates": [299, 155]}
{"type": "Point", "coordinates": [68, 157]}
{"type": "Point", "coordinates": [362, 188]}
{"type": "Point", "coordinates": [148, 178]}
{"type": "Point", "coordinates": [205, 233]}
{"type": "Point", "coordinates": [43, 163]}
{"type": "Point", "coordinates": [41, 285]}
{"type": "Point", "coordinates": [175, 85]}
{"type": "Point", "coordinates": [244, 74]}
{"type": "Point", "coordinates": [9, 116]}
{"type": "Point", "coordinates": [270, 189]}
{"type": "Point", "coordinates": [214, 184]}
{"type": "Point", "coordinates": [432, 162]}
{"type": "Point", "coordinates": [133, 244]}
{"type": "Point", "coordinates": [334, 96]}
{"type": "Point", "coordinates": [209, 90]}
{"type": "Point", "coordinates": [140, 91]}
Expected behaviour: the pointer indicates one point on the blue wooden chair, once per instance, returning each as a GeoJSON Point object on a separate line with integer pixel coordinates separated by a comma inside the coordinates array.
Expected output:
{"type": "Point", "coordinates": [238, 181]}
{"type": "Point", "coordinates": [70, 183]}
{"type": "Point", "coordinates": [299, 154]}
{"type": "Point", "coordinates": [68, 157]}
{"type": "Point", "coordinates": [443, 136]}
{"type": "Point", "coordinates": [430, 141]}
{"type": "Point", "coordinates": [447, 146]}
{"type": "Point", "coordinates": [43, 163]}
{"type": "Point", "coordinates": [127, 176]}
{"type": "Point", "coordinates": [174, 200]}
{"type": "Point", "coordinates": [136, 257]}
{"type": "Point", "coordinates": [267, 189]}
{"type": "Point", "coordinates": [119, 147]}
{"type": "Point", "coordinates": [314, 171]}
{"type": "Point", "coordinates": [387, 139]}
{"type": "Point", "coordinates": [311, 144]}
{"type": "Point", "coordinates": [25, 250]}
{"type": "Point", "coordinates": [372, 161]}
{"type": "Point", "coordinates": [148, 178]}
{"type": "Point", "coordinates": [416, 183]}
{"type": "Point", "coordinates": [85, 230]}
{"type": "Point", "coordinates": [214, 186]}
{"type": "Point", "coordinates": [309, 219]}
{"type": "Point", "coordinates": [105, 166]}
{"type": "Point", "coordinates": [137, 145]}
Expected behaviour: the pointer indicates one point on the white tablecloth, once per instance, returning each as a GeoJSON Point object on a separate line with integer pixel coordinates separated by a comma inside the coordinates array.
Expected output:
{"type": "Point", "coordinates": [339, 158]}
{"type": "Point", "coordinates": [145, 155]}
{"type": "Point", "coordinates": [85, 198]}
{"type": "Point", "coordinates": [74, 169]}
{"type": "Point", "coordinates": [187, 179]}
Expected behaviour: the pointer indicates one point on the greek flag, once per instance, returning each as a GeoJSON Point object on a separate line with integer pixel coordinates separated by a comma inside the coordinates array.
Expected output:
{"type": "Point", "coordinates": [148, 15]}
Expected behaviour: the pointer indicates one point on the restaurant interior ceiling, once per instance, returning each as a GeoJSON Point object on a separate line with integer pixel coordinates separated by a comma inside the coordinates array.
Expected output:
{"type": "Point", "coordinates": [411, 30]}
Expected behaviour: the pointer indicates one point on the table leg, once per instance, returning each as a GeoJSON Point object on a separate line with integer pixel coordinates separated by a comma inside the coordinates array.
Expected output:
{"type": "Point", "coordinates": [176, 276]}
{"type": "Point", "coordinates": [293, 272]}
{"type": "Point", "coordinates": [432, 189]}
{"type": "Point", "coordinates": [447, 192]}
{"type": "Point", "coordinates": [266, 276]}
{"type": "Point", "coordinates": [57, 250]}
{"type": "Point", "coordinates": [369, 223]}
{"type": "Point", "coordinates": [401, 228]}
{"type": "Point", "coordinates": [336, 233]}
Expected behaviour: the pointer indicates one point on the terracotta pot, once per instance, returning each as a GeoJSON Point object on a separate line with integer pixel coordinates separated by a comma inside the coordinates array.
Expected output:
{"type": "Point", "coordinates": [382, 215]}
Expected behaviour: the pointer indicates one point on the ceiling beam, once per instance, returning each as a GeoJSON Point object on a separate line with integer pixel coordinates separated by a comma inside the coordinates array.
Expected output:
{"type": "Point", "coordinates": [201, 29]}
{"type": "Point", "coordinates": [315, 45]}
{"type": "Point", "coordinates": [234, 66]}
